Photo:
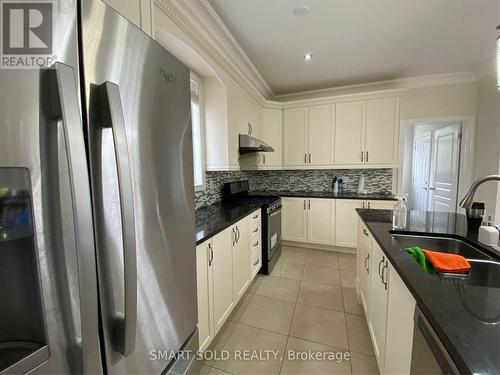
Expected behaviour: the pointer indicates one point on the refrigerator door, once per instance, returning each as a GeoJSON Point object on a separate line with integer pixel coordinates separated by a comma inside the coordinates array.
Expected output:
{"type": "Point", "coordinates": [42, 131]}
{"type": "Point", "coordinates": [138, 109]}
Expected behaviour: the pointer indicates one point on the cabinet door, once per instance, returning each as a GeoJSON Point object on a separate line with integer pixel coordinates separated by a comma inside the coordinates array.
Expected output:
{"type": "Point", "coordinates": [321, 135]}
{"type": "Point", "coordinates": [349, 133]}
{"type": "Point", "coordinates": [401, 308]}
{"type": "Point", "coordinates": [271, 134]}
{"type": "Point", "coordinates": [320, 222]}
{"type": "Point", "coordinates": [295, 137]}
{"type": "Point", "coordinates": [241, 259]}
{"type": "Point", "coordinates": [204, 285]}
{"type": "Point", "coordinates": [130, 9]}
{"type": "Point", "coordinates": [365, 248]}
{"type": "Point", "coordinates": [346, 222]}
{"type": "Point", "coordinates": [294, 219]}
{"type": "Point", "coordinates": [222, 276]}
{"type": "Point", "coordinates": [382, 121]}
{"type": "Point", "coordinates": [382, 205]}
{"type": "Point", "coordinates": [377, 318]}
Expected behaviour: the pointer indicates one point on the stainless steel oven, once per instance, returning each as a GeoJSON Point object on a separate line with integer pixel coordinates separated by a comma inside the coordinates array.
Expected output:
{"type": "Point", "coordinates": [273, 216]}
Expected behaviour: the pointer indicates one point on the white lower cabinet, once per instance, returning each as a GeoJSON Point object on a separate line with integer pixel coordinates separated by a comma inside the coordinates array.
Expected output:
{"type": "Point", "coordinates": [225, 266]}
{"type": "Point", "coordinates": [308, 220]}
{"type": "Point", "coordinates": [388, 304]}
{"type": "Point", "coordinates": [222, 276]}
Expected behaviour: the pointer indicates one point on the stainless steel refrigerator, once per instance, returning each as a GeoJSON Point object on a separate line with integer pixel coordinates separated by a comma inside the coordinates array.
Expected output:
{"type": "Point", "coordinates": [97, 248]}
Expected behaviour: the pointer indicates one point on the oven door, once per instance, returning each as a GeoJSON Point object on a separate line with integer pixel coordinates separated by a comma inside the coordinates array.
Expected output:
{"type": "Point", "coordinates": [273, 233]}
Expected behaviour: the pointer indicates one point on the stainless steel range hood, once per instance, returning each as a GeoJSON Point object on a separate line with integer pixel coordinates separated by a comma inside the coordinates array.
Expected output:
{"type": "Point", "coordinates": [251, 144]}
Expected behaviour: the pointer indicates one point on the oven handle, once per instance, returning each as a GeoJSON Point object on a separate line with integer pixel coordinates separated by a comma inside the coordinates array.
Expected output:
{"type": "Point", "coordinates": [275, 213]}
{"type": "Point", "coordinates": [438, 350]}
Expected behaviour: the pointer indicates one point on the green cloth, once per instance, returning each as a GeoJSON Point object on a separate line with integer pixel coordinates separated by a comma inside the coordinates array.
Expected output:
{"type": "Point", "coordinates": [417, 254]}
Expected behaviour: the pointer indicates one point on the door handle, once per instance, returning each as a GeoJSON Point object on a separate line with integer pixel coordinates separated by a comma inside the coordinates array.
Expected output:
{"type": "Point", "coordinates": [112, 117]}
{"type": "Point", "coordinates": [432, 188]}
{"type": "Point", "coordinates": [366, 263]}
{"type": "Point", "coordinates": [65, 104]}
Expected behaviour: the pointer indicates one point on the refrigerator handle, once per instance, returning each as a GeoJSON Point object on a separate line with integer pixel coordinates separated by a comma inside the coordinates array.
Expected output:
{"type": "Point", "coordinates": [112, 117]}
{"type": "Point", "coordinates": [65, 106]}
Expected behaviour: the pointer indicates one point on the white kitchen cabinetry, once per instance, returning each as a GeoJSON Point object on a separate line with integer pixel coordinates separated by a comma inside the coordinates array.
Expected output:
{"type": "Point", "coordinates": [321, 135]}
{"type": "Point", "coordinates": [382, 123]}
{"type": "Point", "coordinates": [346, 218]}
{"type": "Point", "coordinates": [349, 133]}
{"type": "Point", "coordinates": [388, 304]}
{"type": "Point", "coordinates": [136, 11]}
{"type": "Point", "coordinates": [308, 220]}
{"type": "Point", "coordinates": [295, 131]}
{"type": "Point", "coordinates": [308, 136]}
{"type": "Point", "coordinates": [272, 135]}
{"type": "Point", "coordinates": [399, 340]}
{"type": "Point", "coordinates": [320, 221]}
{"type": "Point", "coordinates": [366, 132]}
{"type": "Point", "coordinates": [242, 266]}
{"type": "Point", "coordinates": [204, 292]}
{"type": "Point", "coordinates": [294, 219]}
{"type": "Point", "coordinates": [377, 318]}
{"type": "Point", "coordinates": [225, 266]}
{"type": "Point", "coordinates": [346, 222]}
{"type": "Point", "coordinates": [222, 276]}
{"type": "Point", "coordinates": [363, 266]}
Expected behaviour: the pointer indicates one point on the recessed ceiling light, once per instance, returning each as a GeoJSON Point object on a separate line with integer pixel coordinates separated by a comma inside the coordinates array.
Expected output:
{"type": "Point", "coordinates": [301, 11]}
{"type": "Point", "coordinates": [308, 57]}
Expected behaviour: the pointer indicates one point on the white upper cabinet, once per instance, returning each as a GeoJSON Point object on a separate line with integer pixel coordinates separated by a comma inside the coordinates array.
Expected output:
{"type": "Point", "coordinates": [295, 131]}
{"type": "Point", "coordinates": [349, 133]}
{"type": "Point", "coordinates": [382, 122]}
{"type": "Point", "coordinates": [321, 135]}
{"type": "Point", "coordinates": [271, 134]}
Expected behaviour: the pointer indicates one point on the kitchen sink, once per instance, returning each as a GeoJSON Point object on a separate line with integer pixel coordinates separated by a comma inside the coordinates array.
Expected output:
{"type": "Point", "coordinates": [441, 244]}
{"type": "Point", "coordinates": [484, 273]}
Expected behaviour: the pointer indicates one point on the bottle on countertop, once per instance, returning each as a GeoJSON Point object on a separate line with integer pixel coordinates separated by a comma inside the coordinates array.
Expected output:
{"type": "Point", "coordinates": [399, 213]}
{"type": "Point", "coordinates": [335, 185]}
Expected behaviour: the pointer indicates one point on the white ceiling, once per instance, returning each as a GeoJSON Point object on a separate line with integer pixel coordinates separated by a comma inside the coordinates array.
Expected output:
{"type": "Point", "coordinates": [360, 41]}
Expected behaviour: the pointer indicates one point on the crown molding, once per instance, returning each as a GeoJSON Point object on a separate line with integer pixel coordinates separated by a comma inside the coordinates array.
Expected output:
{"type": "Point", "coordinates": [189, 22]}
{"type": "Point", "coordinates": [402, 83]}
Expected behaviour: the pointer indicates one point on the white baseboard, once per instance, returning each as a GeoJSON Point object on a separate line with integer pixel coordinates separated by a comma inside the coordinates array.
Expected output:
{"type": "Point", "coordinates": [349, 250]}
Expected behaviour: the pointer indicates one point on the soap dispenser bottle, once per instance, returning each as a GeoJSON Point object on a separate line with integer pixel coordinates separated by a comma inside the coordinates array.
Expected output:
{"type": "Point", "coordinates": [400, 213]}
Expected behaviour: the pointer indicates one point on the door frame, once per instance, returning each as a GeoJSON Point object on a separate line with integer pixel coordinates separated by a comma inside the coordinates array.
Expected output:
{"type": "Point", "coordinates": [428, 135]}
{"type": "Point", "coordinates": [466, 151]}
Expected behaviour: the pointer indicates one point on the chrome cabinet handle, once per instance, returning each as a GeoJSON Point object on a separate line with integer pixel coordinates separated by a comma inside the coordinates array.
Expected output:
{"type": "Point", "coordinates": [63, 96]}
{"type": "Point", "coordinates": [362, 154]}
{"type": "Point", "coordinates": [366, 263]}
{"type": "Point", "coordinates": [112, 117]}
{"type": "Point", "coordinates": [305, 158]}
{"type": "Point", "coordinates": [264, 157]}
{"type": "Point", "coordinates": [255, 230]}
{"type": "Point", "coordinates": [363, 204]}
{"type": "Point", "coordinates": [237, 234]}
{"type": "Point", "coordinates": [384, 281]}
{"type": "Point", "coordinates": [369, 205]}
{"type": "Point", "coordinates": [233, 236]}
{"type": "Point", "coordinates": [367, 156]}
{"type": "Point", "coordinates": [379, 264]}
{"type": "Point", "coordinates": [365, 232]}
{"type": "Point", "coordinates": [210, 255]}
{"type": "Point", "coordinates": [256, 262]}
{"type": "Point", "coordinates": [256, 244]}
{"type": "Point", "coordinates": [304, 204]}
{"type": "Point", "coordinates": [256, 216]}
{"type": "Point", "coordinates": [309, 204]}
{"type": "Point", "coordinates": [309, 158]}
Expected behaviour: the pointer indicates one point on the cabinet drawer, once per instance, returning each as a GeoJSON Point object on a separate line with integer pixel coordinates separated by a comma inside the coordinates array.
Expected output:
{"type": "Point", "coordinates": [256, 256]}
{"type": "Point", "coordinates": [255, 238]}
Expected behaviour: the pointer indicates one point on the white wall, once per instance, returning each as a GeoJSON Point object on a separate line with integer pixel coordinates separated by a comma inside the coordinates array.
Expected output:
{"type": "Point", "coordinates": [488, 143]}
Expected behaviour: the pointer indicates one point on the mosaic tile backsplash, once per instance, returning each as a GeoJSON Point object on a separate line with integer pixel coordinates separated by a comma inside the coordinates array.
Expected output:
{"type": "Point", "coordinates": [377, 181]}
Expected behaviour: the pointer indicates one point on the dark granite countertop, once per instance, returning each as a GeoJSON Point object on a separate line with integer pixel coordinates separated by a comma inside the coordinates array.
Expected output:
{"type": "Point", "coordinates": [326, 194]}
{"type": "Point", "coordinates": [465, 317]}
{"type": "Point", "coordinates": [215, 218]}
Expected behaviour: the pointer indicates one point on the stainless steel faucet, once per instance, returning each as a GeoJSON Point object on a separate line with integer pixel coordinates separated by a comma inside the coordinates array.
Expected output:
{"type": "Point", "coordinates": [467, 201]}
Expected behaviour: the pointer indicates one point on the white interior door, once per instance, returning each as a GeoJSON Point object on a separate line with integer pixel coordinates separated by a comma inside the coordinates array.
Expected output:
{"type": "Point", "coordinates": [444, 169]}
{"type": "Point", "coordinates": [421, 171]}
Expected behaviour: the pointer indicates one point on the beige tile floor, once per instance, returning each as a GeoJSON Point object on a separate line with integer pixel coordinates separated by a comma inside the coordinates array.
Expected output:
{"type": "Point", "coordinates": [307, 303]}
